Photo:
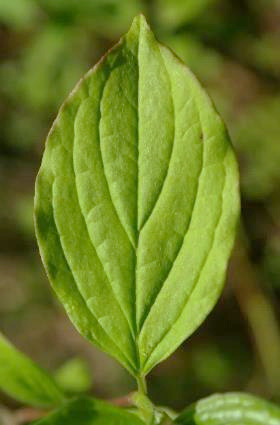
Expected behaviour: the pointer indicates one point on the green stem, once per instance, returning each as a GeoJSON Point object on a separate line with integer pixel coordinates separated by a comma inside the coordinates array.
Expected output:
{"type": "Point", "coordinates": [142, 385]}
{"type": "Point", "coordinates": [143, 403]}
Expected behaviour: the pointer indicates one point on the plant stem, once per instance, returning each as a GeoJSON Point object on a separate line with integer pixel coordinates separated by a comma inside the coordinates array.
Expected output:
{"type": "Point", "coordinates": [142, 384]}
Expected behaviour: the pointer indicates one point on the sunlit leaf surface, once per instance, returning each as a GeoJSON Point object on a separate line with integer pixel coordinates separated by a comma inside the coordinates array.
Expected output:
{"type": "Point", "coordinates": [136, 202]}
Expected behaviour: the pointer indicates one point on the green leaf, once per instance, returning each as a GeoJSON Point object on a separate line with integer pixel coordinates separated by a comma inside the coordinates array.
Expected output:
{"type": "Point", "coordinates": [230, 409]}
{"type": "Point", "coordinates": [86, 411]}
{"type": "Point", "coordinates": [24, 380]}
{"type": "Point", "coordinates": [74, 376]}
{"type": "Point", "coordinates": [136, 202]}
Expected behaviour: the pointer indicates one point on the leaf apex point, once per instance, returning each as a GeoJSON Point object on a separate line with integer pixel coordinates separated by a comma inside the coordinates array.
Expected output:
{"type": "Point", "coordinates": [140, 21]}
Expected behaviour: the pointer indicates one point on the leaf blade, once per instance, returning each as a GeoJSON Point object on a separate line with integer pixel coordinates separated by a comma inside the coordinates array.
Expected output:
{"type": "Point", "coordinates": [124, 200]}
{"type": "Point", "coordinates": [86, 411]}
{"type": "Point", "coordinates": [24, 380]}
{"type": "Point", "coordinates": [233, 408]}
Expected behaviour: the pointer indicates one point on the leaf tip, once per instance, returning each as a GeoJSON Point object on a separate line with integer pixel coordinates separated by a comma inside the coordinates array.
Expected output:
{"type": "Point", "coordinates": [139, 21]}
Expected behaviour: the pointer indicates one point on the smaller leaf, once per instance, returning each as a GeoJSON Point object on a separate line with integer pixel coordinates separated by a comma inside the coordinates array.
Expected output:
{"type": "Point", "coordinates": [74, 376]}
{"type": "Point", "coordinates": [24, 380]}
{"type": "Point", "coordinates": [87, 411]}
{"type": "Point", "coordinates": [230, 409]}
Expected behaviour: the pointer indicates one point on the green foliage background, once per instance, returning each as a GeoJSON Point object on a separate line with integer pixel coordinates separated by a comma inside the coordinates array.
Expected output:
{"type": "Point", "coordinates": [233, 47]}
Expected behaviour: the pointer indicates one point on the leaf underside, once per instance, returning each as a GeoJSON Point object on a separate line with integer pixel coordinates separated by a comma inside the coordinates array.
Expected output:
{"type": "Point", "coordinates": [136, 202]}
{"type": "Point", "coordinates": [230, 409]}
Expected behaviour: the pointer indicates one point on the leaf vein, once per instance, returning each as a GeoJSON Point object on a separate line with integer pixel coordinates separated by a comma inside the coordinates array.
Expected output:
{"type": "Point", "coordinates": [78, 289]}
{"type": "Point", "coordinates": [107, 181]}
{"type": "Point", "coordinates": [179, 247]}
{"type": "Point", "coordinates": [81, 210]}
{"type": "Point", "coordinates": [167, 170]}
{"type": "Point", "coordinates": [199, 274]}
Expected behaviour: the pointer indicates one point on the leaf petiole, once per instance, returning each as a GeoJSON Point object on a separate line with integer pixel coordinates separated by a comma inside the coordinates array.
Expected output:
{"type": "Point", "coordinates": [142, 385]}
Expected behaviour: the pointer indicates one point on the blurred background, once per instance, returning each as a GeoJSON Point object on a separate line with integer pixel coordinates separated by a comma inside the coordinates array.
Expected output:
{"type": "Point", "coordinates": [233, 46]}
